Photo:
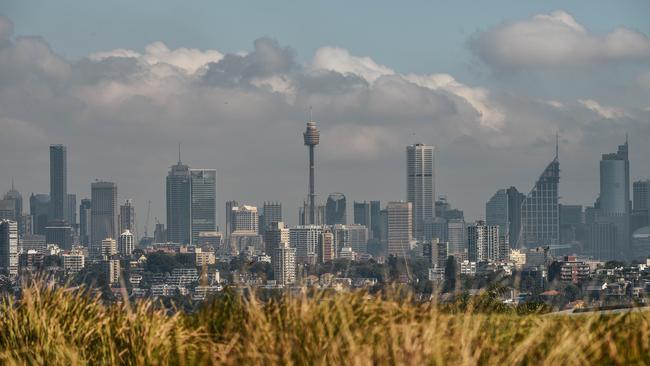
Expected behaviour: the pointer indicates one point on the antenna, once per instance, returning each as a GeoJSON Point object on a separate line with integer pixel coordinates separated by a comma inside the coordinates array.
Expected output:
{"type": "Point", "coordinates": [557, 145]}
{"type": "Point", "coordinates": [310, 119]}
{"type": "Point", "coordinates": [179, 153]}
{"type": "Point", "coordinates": [12, 184]}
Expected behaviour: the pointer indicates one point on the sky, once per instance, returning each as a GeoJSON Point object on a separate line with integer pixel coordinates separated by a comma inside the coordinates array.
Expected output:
{"type": "Point", "coordinates": [121, 83]}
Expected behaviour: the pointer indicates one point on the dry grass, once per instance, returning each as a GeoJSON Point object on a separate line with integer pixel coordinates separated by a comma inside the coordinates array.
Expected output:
{"type": "Point", "coordinates": [59, 327]}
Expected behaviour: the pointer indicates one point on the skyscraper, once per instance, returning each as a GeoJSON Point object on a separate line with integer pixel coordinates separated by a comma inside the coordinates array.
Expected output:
{"type": "Point", "coordinates": [58, 182]}
{"type": "Point", "coordinates": [85, 220]}
{"type": "Point", "coordinates": [312, 138]}
{"type": "Point", "coordinates": [457, 238]}
{"type": "Point", "coordinates": [9, 247]}
{"type": "Point", "coordinates": [504, 210]}
{"type": "Point", "coordinates": [245, 219]}
{"type": "Point", "coordinates": [272, 212]}
{"type": "Point", "coordinates": [103, 214]}
{"type": "Point", "coordinates": [641, 204]}
{"type": "Point", "coordinates": [362, 213]}
{"type": "Point", "coordinates": [275, 234]}
{"type": "Point", "coordinates": [229, 216]}
{"type": "Point", "coordinates": [540, 225]}
{"type": "Point", "coordinates": [420, 185]}
{"type": "Point", "coordinates": [305, 239]}
{"type": "Point", "coordinates": [126, 217]}
{"type": "Point", "coordinates": [614, 205]}
{"type": "Point", "coordinates": [179, 204]}
{"type": "Point", "coordinates": [126, 243]}
{"type": "Point", "coordinates": [204, 201]}
{"type": "Point", "coordinates": [71, 209]}
{"type": "Point", "coordinates": [39, 208]}
{"type": "Point", "coordinates": [335, 209]}
{"type": "Point", "coordinates": [14, 196]}
{"type": "Point", "coordinates": [375, 220]}
{"type": "Point", "coordinates": [400, 228]}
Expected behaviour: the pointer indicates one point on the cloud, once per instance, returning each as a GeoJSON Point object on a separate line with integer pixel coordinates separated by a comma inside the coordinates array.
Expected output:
{"type": "Point", "coordinates": [123, 112]}
{"type": "Point", "coordinates": [556, 40]}
{"type": "Point", "coordinates": [189, 60]}
{"type": "Point", "coordinates": [603, 111]}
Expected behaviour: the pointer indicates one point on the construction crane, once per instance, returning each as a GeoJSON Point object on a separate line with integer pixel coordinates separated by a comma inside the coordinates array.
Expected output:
{"type": "Point", "coordinates": [146, 223]}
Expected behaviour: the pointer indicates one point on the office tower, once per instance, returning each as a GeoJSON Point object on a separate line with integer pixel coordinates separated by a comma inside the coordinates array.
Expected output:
{"type": "Point", "coordinates": [420, 185]}
{"type": "Point", "coordinates": [25, 225]}
{"type": "Point", "coordinates": [375, 220]}
{"type": "Point", "coordinates": [245, 219]}
{"type": "Point", "coordinates": [305, 239]}
{"type": "Point", "coordinates": [85, 209]}
{"type": "Point", "coordinates": [103, 216]}
{"type": "Point", "coordinates": [70, 214]}
{"type": "Point", "coordinates": [436, 252]}
{"type": "Point", "coordinates": [126, 217]}
{"type": "Point", "coordinates": [284, 264]}
{"type": "Point", "coordinates": [326, 247]}
{"type": "Point", "coordinates": [441, 206]}
{"type": "Point", "coordinates": [484, 243]}
{"type": "Point", "coordinates": [383, 227]}
{"type": "Point", "coordinates": [39, 208]}
{"type": "Point", "coordinates": [276, 233]}
{"type": "Point", "coordinates": [436, 229]}
{"type": "Point", "coordinates": [126, 243]}
{"type": "Point", "coordinates": [8, 210]}
{"type": "Point", "coordinates": [540, 221]}
{"type": "Point", "coordinates": [272, 212]}
{"type": "Point", "coordinates": [400, 228]}
{"type": "Point", "coordinates": [457, 238]}
{"type": "Point", "coordinates": [204, 201]}
{"type": "Point", "coordinates": [59, 232]}
{"type": "Point", "coordinates": [33, 242]}
{"type": "Point", "coordinates": [614, 204]}
{"type": "Point", "coordinates": [229, 216]}
{"type": "Point", "coordinates": [362, 213]}
{"type": "Point", "coordinates": [311, 137]}
{"type": "Point", "coordinates": [357, 238]}
{"type": "Point", "coordinates": [504, 210]}
{"type": "Point", "coordinates": [340, 234]}
{"type": "Point", "coordinates": [335, 209]}
{"type": "Point", "coordinates": [58, 182]}
{"type": "Point", "coordinates": [179, 204]}
{"type": "Point", "coordinates": [9, 247]}
{"type": "Point", "coordinates": [303, 214]}
{"type": "Point", "coordinates": [640, 205]}
{"type": "Point", "coordinates": [571, 223]}
{"type": "Point", "coordinates": [14, 196]}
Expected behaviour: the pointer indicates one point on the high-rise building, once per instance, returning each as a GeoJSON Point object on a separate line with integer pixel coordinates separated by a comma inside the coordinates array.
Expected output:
{"type": "Point", "coordinates": [484, 243]}
{"type": "Point", "coordinates": [179, 205]}
{"type": "Point", "coordinates": [9, 247]}
{"type": "Point", "coordinates": [108, 248]}
{"type": "Point", "coordinates": [305, 239]}
{"type": "Point", "coordinates": [362, 213]}
{"type": "Point", "coordinates": [85, 209]}
{"type": "Point", "coordinates": [229, 216]}
{"type": "Point", "coordinates": [540, 214]}
{"type": "Point", "coordinates": [284, 264]}
{"type": "Point", "coordinates": [326, 247]}
{"type": "Point", "coordinates": [71, 210]}
{"type": "Point", "coordinates": [39, 208]}
{"type": "Point", "coordinates": [58, 182]}
{"type": "Point", "coordinates": [357, 238]}
{"type": "Point", "coordinates": [303, 214]}
{"type": "Point", "coordinates": [400, 228]}
{"type": "Point", "coordinates": [614, 203]}
{"type": "Point", "coordinates": [126, 243]}
{"type": "Point", "coordinates": [571, 224]}
{"type": "Point", "coordinates": [276, 233]}
{"type": "Point", "coordinates": [375, 220]}
{"type": "Point", "coordinates": [457, 238]}
{"type": "Point", "coordinates": [59, 232]}
{"type": "Point", "coordinates": [245, 219]}
{"type": "Point", "coordinates": [312, 138]}
{"type": "Point", "coordinates": [335, 209]}
{"type": "Point", "coordinates": [8, 210]}
{"type": "Point", "coordinates": [272, 212]}
{"type": "Point", "coordinates": [641, 195]}
{"type": "Point", "coordinates": [126, 217]}
{"type": "Point", "coordinates": [420, 185]}
{"type": "Point", "coordinates": [103, 217]}
{"type": "Point", "coordinates": [14, 196]}
{"type": "Point", "coordinates": [504, 210]}
{"type": "Point", "coordinates": [204, 201]}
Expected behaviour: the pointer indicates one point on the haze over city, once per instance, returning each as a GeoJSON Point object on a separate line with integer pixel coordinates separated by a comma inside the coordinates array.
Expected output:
{"type": "Point", "coordinates": [121, 91]}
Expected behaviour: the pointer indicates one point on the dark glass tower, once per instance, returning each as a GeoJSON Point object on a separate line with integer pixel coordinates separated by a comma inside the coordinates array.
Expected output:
{"type": "Point", "coordinates": [204, 201]}
{"type": "Point", "coordinates": [179, 204]}
{"type": "Point", "coordinates": [540, 214]}
{"type": "Point", "coordinates": [58, 182]}
{"type": "Point", "coordinates": [335, 209]}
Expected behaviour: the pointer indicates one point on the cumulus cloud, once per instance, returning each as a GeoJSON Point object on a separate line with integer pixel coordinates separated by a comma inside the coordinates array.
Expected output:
{"type": "Point", "coordinates": [556, 39]}
{"type": "Point", "coordinates": [122, 113]}
{"type": "Point", "coordinates": [604, 111]}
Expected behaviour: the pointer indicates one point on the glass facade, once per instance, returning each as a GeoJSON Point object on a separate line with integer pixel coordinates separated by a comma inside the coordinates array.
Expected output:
{"type": "Point", "coordinates": [540, 211]}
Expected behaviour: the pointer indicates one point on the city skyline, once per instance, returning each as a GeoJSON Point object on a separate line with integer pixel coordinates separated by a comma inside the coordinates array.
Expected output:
{"type": "Point", "coordinates": [488, 126]}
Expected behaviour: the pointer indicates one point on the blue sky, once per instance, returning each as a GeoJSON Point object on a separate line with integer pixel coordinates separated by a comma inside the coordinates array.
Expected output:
{"type": "Point", "coordinates": [488, 83]}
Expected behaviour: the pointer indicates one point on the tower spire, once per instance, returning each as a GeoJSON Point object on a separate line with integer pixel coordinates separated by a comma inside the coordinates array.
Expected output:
{"type": "Point", "coordinates": [12, 184]}
{"type": "Point", "coordinates": [557, 145]}
{"type": "Point", "coordinates": [179, 153]}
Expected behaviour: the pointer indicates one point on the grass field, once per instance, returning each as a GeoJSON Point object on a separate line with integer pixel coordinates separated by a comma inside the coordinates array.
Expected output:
{"type": "Point", "coordinates": [63, 327]}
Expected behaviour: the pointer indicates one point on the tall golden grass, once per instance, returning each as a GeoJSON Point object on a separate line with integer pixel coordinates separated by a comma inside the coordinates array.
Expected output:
{"type": "Point", "coordinates": [55, 326]}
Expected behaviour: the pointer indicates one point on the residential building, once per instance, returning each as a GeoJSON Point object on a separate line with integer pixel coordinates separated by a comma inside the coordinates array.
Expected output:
{"type": "Point", "coordinates": [126, 243]}
{"type": "Point", "coordinates": [9, 247]}
{"type": "Point", "coordinates": [284, 264]}
{"type": "Point", "coordinates": [126, 217]}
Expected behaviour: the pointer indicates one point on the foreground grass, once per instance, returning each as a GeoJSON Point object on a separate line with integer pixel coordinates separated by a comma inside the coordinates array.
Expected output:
{"type": "Point", "coordinates": [60, 327]}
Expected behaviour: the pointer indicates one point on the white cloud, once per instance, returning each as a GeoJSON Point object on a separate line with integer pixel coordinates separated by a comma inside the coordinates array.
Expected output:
{"type": "Point", "coordinates": [556, 39]}
{"type": "Point", "coordinates": [340, 60]}
{"type": "Point", "coordinates": [360, 142]}
{"type": "Point", "coordinates": [603, 111]}
{"type": "Point", "coordinates": [189, 60]}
